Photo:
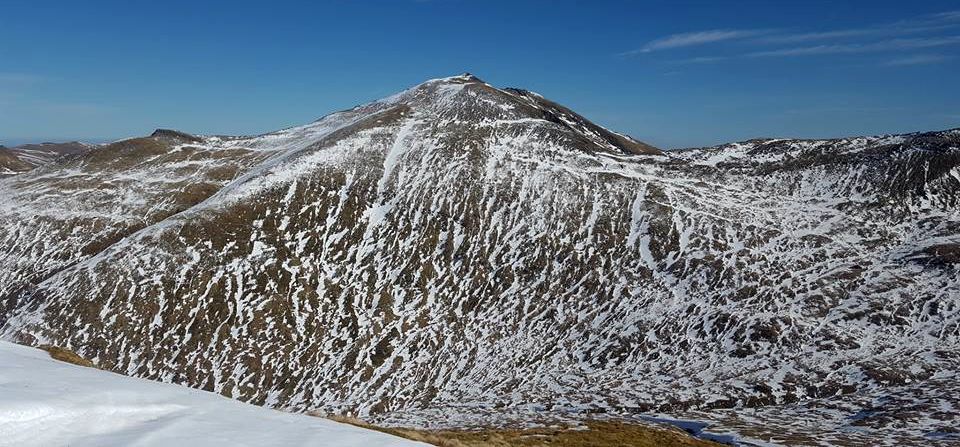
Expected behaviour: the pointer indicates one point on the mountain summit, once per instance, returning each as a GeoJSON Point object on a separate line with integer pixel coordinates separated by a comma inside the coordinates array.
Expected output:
{"type": "Point", "coordinates": [458, 251]}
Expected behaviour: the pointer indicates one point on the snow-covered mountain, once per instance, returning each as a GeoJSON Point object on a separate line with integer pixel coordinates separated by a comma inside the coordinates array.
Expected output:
{"type": "Point", "coordinates": [460, 251]}
{"type": "Point", "coordinates": [46, 403]}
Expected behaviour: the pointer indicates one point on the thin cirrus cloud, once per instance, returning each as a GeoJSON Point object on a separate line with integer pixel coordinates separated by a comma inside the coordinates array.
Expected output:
{"type": "Point", "coordinates": [918, 59]}
{"type": "Point", "coordinates": [698, 38]}
{"type": "Point", "coordinates": [853, 48]}
{"type": "Point", "coordinates": [924, 24]}
{"type": "Point", "coordinates": [889, 37]}
{"type": "Point", "coordinates": [949, 15]}
{"type": "Point", "coordinates": [821, 35]}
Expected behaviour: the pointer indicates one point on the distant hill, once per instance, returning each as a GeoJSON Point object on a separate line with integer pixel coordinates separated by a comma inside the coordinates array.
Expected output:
{"type": "Point", "coordinates": [28, 156]}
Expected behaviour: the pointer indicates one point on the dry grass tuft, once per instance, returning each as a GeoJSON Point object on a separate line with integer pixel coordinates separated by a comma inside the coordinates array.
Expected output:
{"type": "Point", "coordinates": [595, 434]}
{"type": "Point", "coordinates": [66, 355]}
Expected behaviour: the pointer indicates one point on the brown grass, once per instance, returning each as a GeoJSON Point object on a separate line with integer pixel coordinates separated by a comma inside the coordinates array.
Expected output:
{"type": "Point", "coordinates": [66, 355]}
{"type": "Point", "coordinates": [596, 434]}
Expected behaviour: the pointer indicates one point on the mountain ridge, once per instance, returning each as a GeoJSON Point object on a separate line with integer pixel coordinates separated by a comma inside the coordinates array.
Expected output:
{"type": "Point", "coordinates": [17, 159]}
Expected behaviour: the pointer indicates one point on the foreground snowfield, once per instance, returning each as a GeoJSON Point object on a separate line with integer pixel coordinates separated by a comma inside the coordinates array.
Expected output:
{"type": "Point", "coordinates": [44, 402]}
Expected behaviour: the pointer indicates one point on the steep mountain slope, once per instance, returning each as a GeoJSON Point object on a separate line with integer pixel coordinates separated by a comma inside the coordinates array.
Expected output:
{"type": "Point", "coordinates": [54, 216]}
{"type": "Point", "coordinates": [462, 250]}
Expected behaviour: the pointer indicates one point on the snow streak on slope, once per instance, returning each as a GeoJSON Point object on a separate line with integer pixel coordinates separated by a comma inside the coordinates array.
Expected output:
{"type": "Point", "coordinates": [459, 247]}
{"type": "Point", "coordinates": [48, 403]}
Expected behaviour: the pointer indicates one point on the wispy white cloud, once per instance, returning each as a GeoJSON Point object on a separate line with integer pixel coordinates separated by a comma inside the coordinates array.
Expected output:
{"type": "Point", "coordinates": [950, 16]}
{"type": "Point", "coordinates": [923, 24]}
{"type": "Point", "coordinates": [889, 37]}
{"type": "Point", "coordinates": [918, 59]}
{"type": "Point", "coordinates": [820, 35]}
{"type": "Point", "coordinates": [853, 48]}
{"type": "Point", "coordinates": [701, 60]}
{"type": "Point", "coordinates": [697, 38]}
{"type": "Point", "coordinates": [889, 30]}
{"type": "Point", "coordinates": [929, 22]}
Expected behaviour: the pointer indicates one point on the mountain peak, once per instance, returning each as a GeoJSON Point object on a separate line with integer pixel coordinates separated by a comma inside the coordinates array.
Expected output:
{"type": "Point", "coordinates": [466, 76]}
{"type": "Point", "coordinates": [466, 99]}
{"type": "Point", "coordinates": [460, 78]}
{"type": "Point", "coordinates": [174, 135]}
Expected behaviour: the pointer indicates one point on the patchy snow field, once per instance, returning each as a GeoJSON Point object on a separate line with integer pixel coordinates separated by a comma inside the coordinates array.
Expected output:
{"type": "Point", "coordinates": [459, 253]}
{"type": "Point", "coordinates": [44, 402]}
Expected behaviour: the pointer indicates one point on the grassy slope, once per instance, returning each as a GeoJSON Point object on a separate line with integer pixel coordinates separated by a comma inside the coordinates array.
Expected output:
{"type": "Point", "coordinates": [596, 434]}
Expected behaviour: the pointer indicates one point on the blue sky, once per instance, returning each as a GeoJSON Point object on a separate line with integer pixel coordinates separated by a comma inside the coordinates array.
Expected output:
{"type": "Point", "coordinates": [673, 73]}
